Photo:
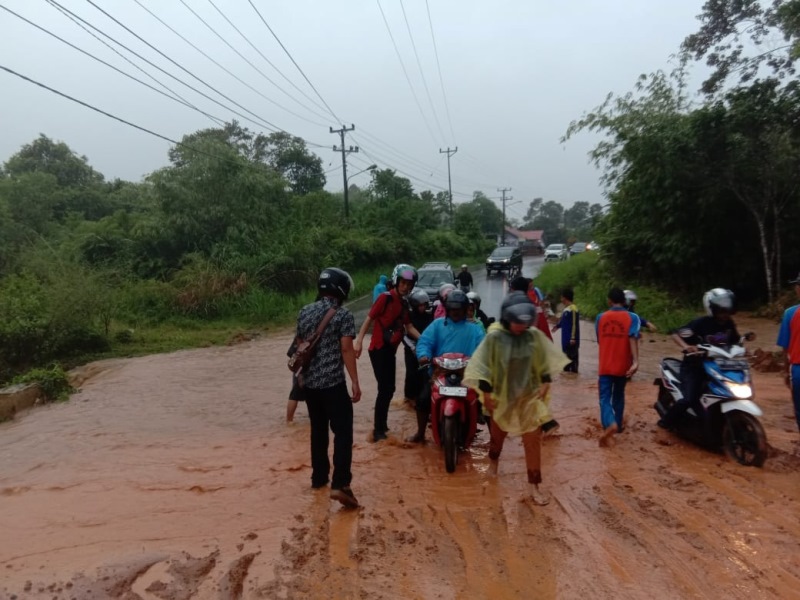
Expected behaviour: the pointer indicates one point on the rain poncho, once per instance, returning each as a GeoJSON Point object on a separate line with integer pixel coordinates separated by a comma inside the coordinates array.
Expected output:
{"type": "Point", "coordinates": [514, 366]}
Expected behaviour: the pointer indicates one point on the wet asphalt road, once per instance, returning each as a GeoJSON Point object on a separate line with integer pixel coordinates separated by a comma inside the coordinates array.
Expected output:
{"type": "Point", "coordinates": [491, 290]}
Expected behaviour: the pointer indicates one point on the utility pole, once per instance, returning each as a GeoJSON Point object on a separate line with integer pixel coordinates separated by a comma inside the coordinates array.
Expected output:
{"type": "Point", "coordinates": [503, 226]}
{"type": "Point", "coordinates": [449, 182]}
{"type": "Point", "coordinates": [345, 152]}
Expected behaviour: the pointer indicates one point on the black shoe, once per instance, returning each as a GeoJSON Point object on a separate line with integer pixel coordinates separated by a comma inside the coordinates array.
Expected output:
{"type": "Point", "coordinates": [345, 496]}
{"type": "Point", "coordinates": [377, 436]}
{"type": "Point", "coordinates": [550, 427]}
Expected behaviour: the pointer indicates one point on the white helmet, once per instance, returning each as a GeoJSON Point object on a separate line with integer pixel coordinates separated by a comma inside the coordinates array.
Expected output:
{"type": "Point", "coordinates": [719, 299]}
{"type": "Point", "coordinates": [630, 296]}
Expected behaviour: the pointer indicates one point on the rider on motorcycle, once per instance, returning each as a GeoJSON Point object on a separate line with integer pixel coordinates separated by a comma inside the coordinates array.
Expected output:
{"type": "Point", "coordinates": [476, 300]}
{"type": "Point", "coordinates": [453, 333]}
{"type": "Point", "coordinates": [717, 328]}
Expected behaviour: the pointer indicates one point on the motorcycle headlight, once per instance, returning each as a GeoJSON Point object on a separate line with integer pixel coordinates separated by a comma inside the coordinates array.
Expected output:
{"type": "Point", "coordinates": [740, 390]}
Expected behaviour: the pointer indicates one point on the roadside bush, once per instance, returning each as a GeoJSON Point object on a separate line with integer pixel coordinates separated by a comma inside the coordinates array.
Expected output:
{"type": "Point", "coordinates": [53, 381]}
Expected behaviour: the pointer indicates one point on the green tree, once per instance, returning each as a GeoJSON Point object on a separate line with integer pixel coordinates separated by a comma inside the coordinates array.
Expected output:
{"type": "Point", "coordinates": [43, 155]}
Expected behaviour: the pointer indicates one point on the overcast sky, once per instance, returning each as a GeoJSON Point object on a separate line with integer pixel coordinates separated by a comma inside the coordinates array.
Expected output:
{"type": "Point", "coordinates": [515, 73]}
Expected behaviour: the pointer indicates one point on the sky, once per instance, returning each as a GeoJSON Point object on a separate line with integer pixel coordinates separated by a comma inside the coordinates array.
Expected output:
{"type": "Point", "coordinates": [514, 74]}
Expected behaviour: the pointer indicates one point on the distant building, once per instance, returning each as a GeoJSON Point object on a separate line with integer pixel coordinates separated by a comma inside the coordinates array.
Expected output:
{"type": "Point", "coordinates": [531, 242]}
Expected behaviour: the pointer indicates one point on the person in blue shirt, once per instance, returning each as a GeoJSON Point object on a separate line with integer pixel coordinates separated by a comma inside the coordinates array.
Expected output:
{"type": "Point", "coordinates": [570, 326]}
{"type": "Point", "coordinates": [451, 333]}
{"type": "Point", "coordinates": [379, 288]}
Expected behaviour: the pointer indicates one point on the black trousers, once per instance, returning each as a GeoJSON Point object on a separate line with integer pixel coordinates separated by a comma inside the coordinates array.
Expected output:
{"type": "Point", "coordinates": [415, 378]}
{"type": "Point", "coordinates": [384, 366]}
{"type": "Point", "coordinates": [572, 355]}
{"type": "Point", "coordinates": [693, 378]}
{"type": "Point", "coordinates": [331, 408]}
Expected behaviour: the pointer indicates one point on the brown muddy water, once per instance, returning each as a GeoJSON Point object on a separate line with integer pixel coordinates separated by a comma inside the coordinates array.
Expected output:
{"type": "Point", "coordinates": [175, 476]}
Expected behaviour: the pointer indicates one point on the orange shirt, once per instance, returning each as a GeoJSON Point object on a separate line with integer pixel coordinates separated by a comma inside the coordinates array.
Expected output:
{"type": "Point", "coordinates": [614, 329]}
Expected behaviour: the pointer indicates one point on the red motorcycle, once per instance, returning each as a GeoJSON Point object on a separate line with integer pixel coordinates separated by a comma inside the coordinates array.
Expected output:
{"type": "Point", "coordinates": [454, 407]}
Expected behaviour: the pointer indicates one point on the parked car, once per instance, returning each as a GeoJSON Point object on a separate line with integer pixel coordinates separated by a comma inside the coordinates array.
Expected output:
{"type": "Point", "coordinates": [556, 252]}
{"type": "Point", "coordinates": [433, 276]}
{"type": "Point", "coordinates": [593, 246]}
{"type": "Point", "coordinates": [577, 248]}
{"type": "Point", "coordinates": [504, 258]}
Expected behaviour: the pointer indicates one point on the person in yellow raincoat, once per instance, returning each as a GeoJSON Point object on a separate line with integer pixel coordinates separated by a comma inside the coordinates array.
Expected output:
{"type": "Point", "coordinates": [513, 367]}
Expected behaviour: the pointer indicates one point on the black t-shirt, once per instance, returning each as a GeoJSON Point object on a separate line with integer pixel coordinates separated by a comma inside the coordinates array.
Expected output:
{"type": "Point", "coordinates": [707, 330]}
{"type": "Point", "coordinates": [464, 278]}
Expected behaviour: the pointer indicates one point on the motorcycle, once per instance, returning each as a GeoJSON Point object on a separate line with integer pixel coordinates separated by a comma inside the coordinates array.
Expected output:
{"type": "Point", "coordinates": [728, 415]}
{"type": "Point", "coordinates": [454, 407]}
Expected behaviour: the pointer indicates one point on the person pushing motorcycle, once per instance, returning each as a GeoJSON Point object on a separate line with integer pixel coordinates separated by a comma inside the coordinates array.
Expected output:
{"type": "Point", "coordinates": [452, 333]}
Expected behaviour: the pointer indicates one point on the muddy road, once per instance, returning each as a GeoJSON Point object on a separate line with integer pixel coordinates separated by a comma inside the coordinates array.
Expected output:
{"type": "Point", "coordinates": [175, 477]}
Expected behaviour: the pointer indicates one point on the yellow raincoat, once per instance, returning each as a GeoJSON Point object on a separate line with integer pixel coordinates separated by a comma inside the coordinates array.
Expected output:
{"type": "Point", "coordinates": [514, 366]}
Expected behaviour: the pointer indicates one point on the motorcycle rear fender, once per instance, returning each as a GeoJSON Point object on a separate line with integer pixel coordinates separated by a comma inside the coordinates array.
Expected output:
{"type": "Point", "coordinates": [451, 407]}
{"type": "Point", "coordinates": [747, 406]}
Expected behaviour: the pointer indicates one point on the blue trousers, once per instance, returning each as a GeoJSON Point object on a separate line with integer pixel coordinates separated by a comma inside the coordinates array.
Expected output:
{"type": "Point", "coordinates": [796, 392]}
{"type": "Point", "coordinates": [612, 400]}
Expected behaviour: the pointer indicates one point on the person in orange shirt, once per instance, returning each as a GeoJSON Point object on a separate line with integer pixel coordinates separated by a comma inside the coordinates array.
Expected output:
{"type": "Point", "coordinates": [617, 338]}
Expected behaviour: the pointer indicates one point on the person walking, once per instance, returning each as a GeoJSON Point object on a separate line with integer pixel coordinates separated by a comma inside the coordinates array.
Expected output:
{"type": "Point", "coordinates": [391, 321]}
{"type": "Point", "coordinates": [325, 386]}
{"type": "Point", "coordinates": [617, 338]}
{"type": "Point", "coordinates": [512, 368]}
{"type": "Point", "coordinates": [789, 340]}
{"type": "Point", "coordinates": [570, 326]}
{"type": "Point", "coordinates": [379, 288]}
{"type": "Point", "coordinates": [464, 279]}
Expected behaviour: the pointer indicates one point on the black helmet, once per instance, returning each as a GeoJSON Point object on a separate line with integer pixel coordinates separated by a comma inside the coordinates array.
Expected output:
{"type": "Point", "coordinates": [517, 308]}
{"type": "Point", "coordinates": [719, 299]}
{"type": "Point", "coordinates": [456, 299]}
{"type": "Point", "coordinates": [418, 298]}
{"type": "Point", "coordinates": [335, 282]}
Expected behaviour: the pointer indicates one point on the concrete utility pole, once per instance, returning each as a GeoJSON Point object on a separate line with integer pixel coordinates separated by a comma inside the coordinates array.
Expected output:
{"type": "Point", "coordinates": [449, 182]}
{"type": "Point", "coordinates": [503, 226]}
{"type": "Point", "coordinates": [345, 152]}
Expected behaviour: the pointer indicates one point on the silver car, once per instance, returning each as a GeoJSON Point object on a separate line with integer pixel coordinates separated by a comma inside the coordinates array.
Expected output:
{"type": "Point", "coordinates": [556, 252]}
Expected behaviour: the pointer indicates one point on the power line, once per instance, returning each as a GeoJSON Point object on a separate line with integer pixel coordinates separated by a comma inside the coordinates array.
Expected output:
{"type": "Point", "coordinates": [294, 62]}
{"type": "Point", "coordinates": [439, 68]}
{"type": "Point", "coordinates": [181, 67]}
{"type": "Point", "coordinates": [243, 57]}
{"type": "Point", "coordinates": [405, 72]}
{"type": "Point", "coordinates": [109, 115]}
{"type": "Point", "coordinates": [421, 72]}
{"type": "Point", "coordinates": [177, 98]}
{"type": "Point", "coordinates": [239, 79]}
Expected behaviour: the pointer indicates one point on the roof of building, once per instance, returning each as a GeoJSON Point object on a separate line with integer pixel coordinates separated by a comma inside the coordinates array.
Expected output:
{"type": "Point", "coordinates": [531, 235]}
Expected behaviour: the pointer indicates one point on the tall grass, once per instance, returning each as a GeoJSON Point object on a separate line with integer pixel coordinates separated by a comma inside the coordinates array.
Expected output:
{"type": "Point", "coordinates": [591, 278]}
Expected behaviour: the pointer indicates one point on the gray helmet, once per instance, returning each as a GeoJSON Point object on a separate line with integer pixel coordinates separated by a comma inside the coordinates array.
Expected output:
{"type": "Point", "coordinates": [418, 298]}
{"type": "Point", "coordinates": [517, 308]}
{"type": "Point", "coordinates": [456, 299]}
{"type": "Point", "coordinates": [475, 299]}
{"type": "Point", "coordinates": [335, 282]}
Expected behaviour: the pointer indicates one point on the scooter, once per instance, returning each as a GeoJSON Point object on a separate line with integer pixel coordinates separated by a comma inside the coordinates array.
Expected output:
{"type": "Point", "coordinates": [727, 415]}
{"type": "Point", "coordinates": [454, 407]}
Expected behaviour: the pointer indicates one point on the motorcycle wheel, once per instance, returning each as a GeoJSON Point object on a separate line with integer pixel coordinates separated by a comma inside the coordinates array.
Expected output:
{"type": "Point", "coordinates": [744, 440]}
{"type": "Point", "coordinates": [450, 443]}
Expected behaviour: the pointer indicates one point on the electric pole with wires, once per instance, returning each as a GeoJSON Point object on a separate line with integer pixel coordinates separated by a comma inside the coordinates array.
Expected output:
{"type": "Point", "coordinates": [503, 226]}
{"type": "Point", "coordinates": [345, 151]}
{"type": "Point", "coordinates": [449, 181]}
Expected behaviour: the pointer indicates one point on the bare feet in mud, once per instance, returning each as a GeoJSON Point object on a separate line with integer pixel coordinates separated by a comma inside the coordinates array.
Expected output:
{"type": "Point", "coordinates": [417, 438]}
{"type": "Point", "coordinates": [346, 496]}
{"type": "Point", "coordinates": [607, 438]}
{"type": "Point", "coordinates": [539, 496]}
{"type": "Point", "coordinates": [492, 470]}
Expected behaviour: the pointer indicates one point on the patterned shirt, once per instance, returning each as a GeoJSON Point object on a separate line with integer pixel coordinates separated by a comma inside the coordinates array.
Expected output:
{"type": "Point", "coordinates": [327, 367]}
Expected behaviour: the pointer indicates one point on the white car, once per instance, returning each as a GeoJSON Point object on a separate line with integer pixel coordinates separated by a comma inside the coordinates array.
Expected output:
{"type": "Point", "coordinates": [556, 252]}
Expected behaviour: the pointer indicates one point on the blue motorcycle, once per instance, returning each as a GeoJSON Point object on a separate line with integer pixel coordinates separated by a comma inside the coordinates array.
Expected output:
{"type": "Point", "coordinates": [726, 415]}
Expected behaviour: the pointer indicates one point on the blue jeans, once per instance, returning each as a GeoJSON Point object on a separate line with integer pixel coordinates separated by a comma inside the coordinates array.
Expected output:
{"type": "Point", "coordinates": [612, 399]}
{"type": "Point", "coordinates": [796, 392]}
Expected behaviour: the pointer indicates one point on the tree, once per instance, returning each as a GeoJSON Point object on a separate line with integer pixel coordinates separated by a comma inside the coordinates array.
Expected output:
{"type": "Point", "coordinates": [551, 221]}
{"type": "Point", "coordinates": [489, 216]}
{"type": "Point", "coordinates": [737, 38]}
{"type": "Point", "coordinates": [534, 208]}
{"type": "Point", "coordinates": [43, 155]}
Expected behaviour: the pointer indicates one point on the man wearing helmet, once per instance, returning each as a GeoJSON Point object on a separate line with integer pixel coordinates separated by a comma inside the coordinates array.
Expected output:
{"type": "Point", "coordinates": [630, 304]}
{"type": "Point", "coordinates": [717, 328]}
{"type": "Point", "coordinates": [452, 333]}
{"type": "Point", "coordinates": [421, 317]}
{"type": "Point", "coordinates": [329, 404]}
{"type": "Point", "coordinates": [476, 301]}
{"type": "Point", "coordinates": [513, 369]}
{"type": "Point", "coordinates": [439, 307]}
{"type": "Point", "coordinates": [464, 278]}
{"type": "Point", "coordinates": [389, 313]}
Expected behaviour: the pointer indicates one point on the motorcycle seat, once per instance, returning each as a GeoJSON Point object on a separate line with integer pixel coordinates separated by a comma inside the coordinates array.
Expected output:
{"type": "Point", "coordinates": [673, 365]}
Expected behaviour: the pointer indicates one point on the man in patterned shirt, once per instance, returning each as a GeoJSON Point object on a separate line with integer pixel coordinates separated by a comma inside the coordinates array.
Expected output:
{"type": "Point", "coordinates": [329, 404]}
